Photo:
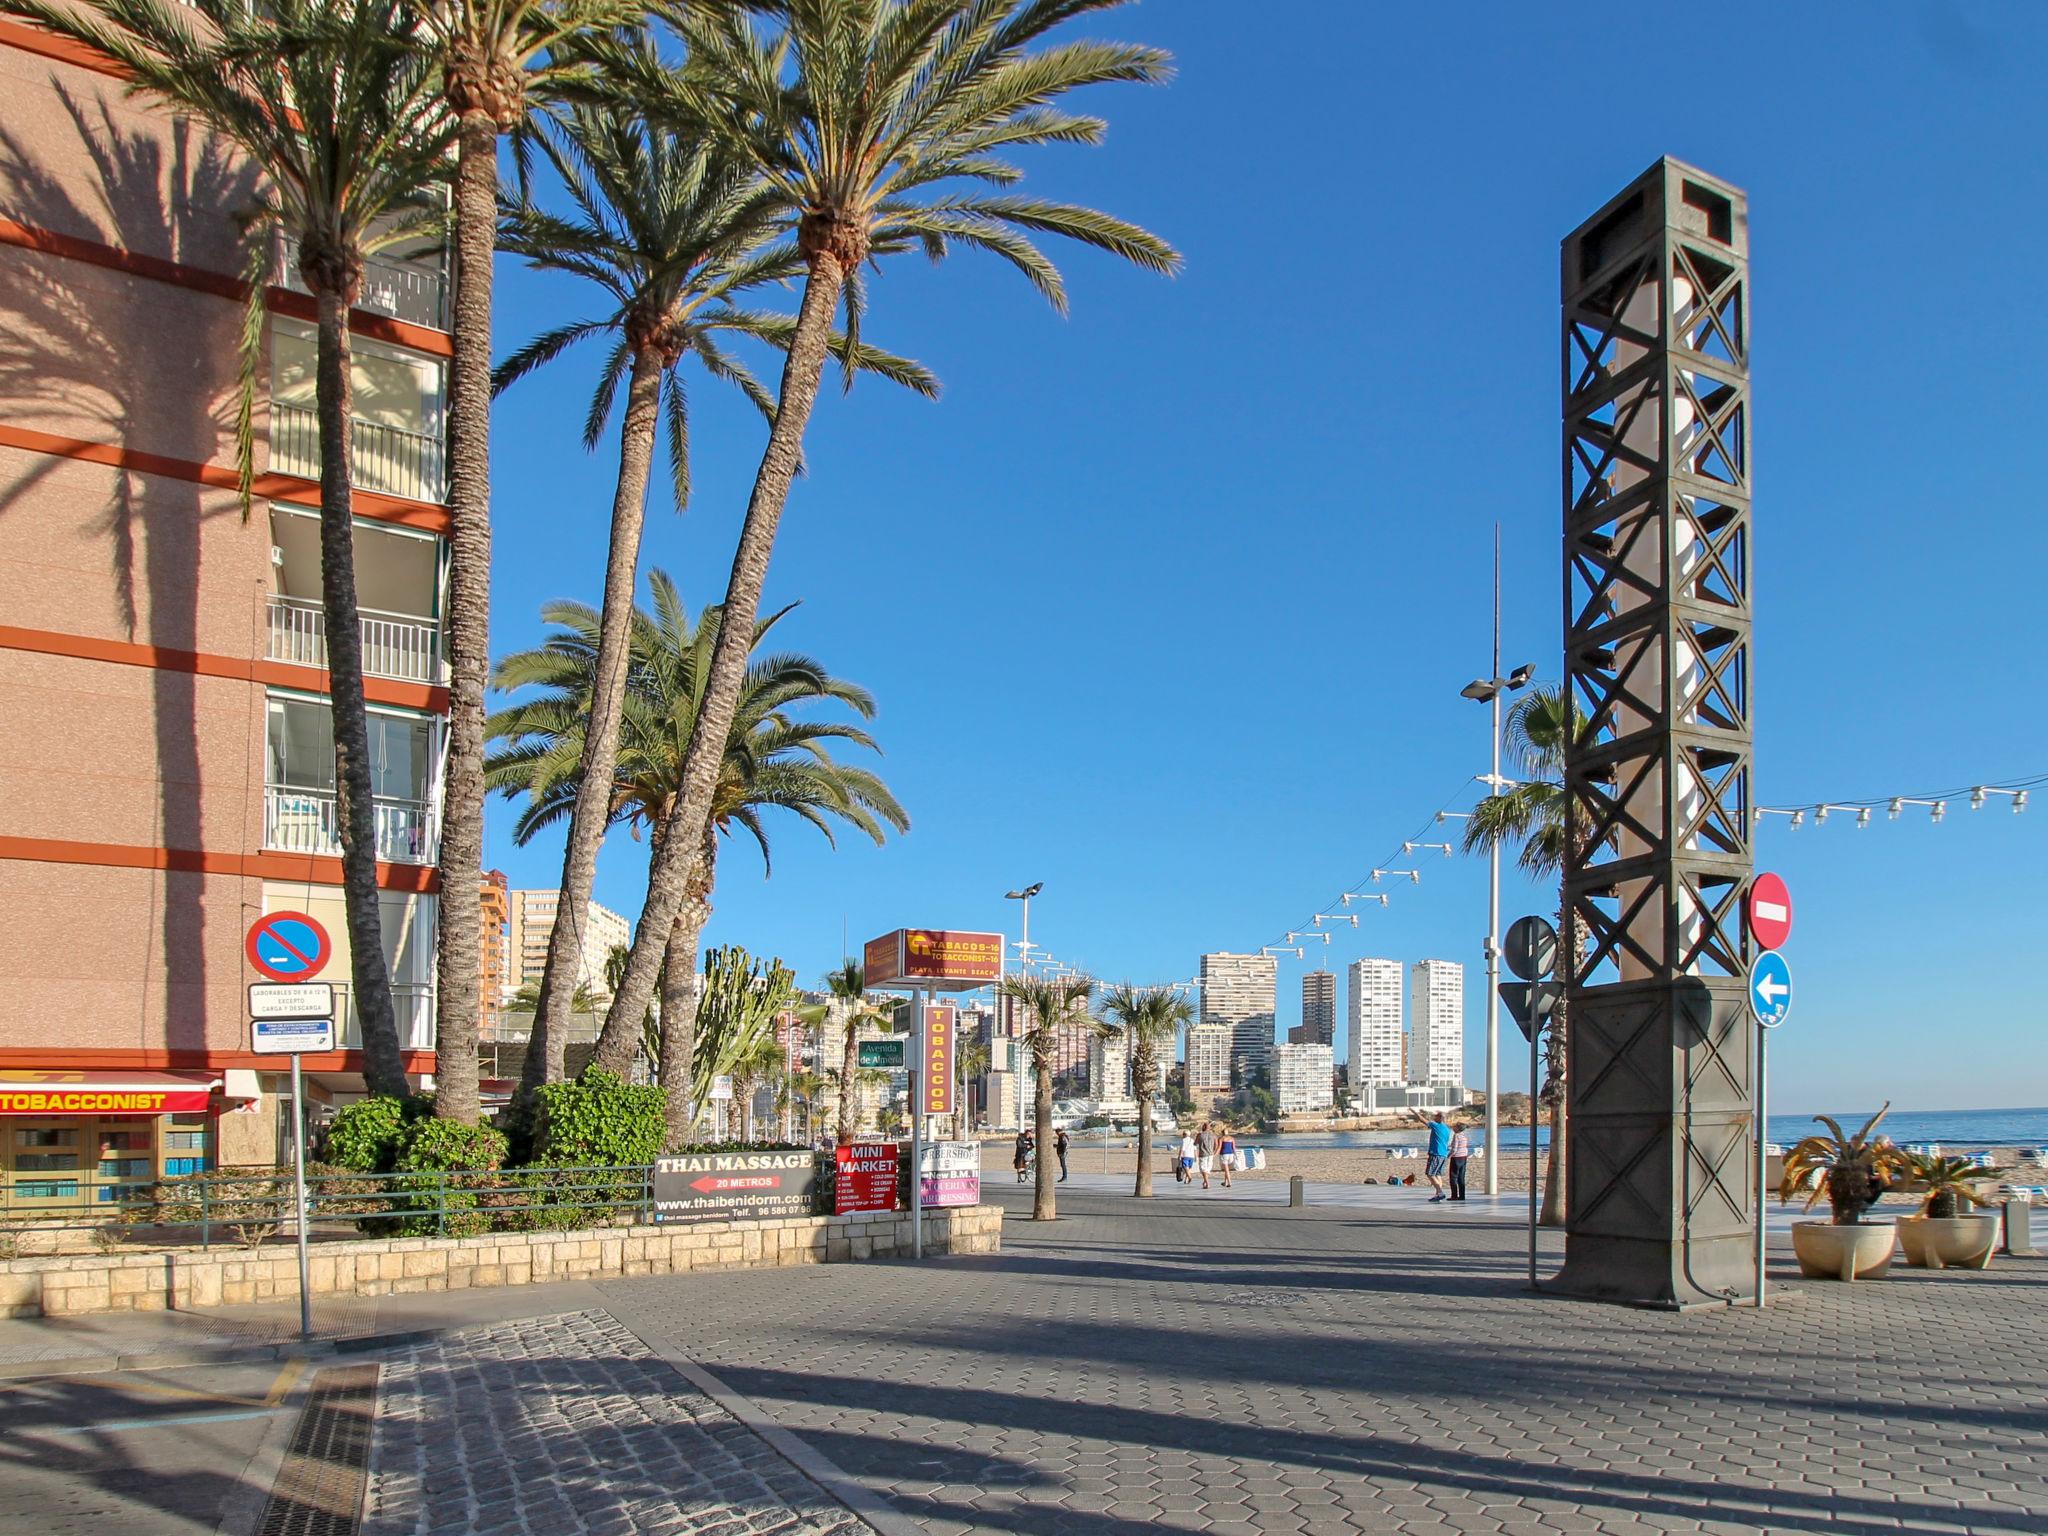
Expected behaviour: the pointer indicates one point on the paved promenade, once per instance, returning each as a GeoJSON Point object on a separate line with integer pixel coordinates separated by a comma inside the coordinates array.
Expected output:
{"type": "Point", "coordinates": [1194, 1363]}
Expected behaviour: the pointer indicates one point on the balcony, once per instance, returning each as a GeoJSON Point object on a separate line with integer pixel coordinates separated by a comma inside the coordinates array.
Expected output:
{"type": "Point", "coordinates": [393, 460]}
{"type": "Point", "coordinates": [395, 645]}
{"type": "Point", "coordinates": [307, 821]}
{"type": "Point", "coordinates": [415, 292]}
{"type": "Point", "coordinates": [412, 1002]}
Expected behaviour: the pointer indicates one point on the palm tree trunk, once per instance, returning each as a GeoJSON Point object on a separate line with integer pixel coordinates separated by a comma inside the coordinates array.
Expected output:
{"type": "Point", "coordinates": [355, 811]}
{"type": "Point", "coordinates": [1144, 1065]}
{"type": "Point", "coordinates": [1042, 1196]}
{"type": "Point", "coordinates": [615, 1045]}
{"type": "Point", "coordinates": [466, 623]}
{"type": "Point", "coordinates": [679, 1015]}
{"type": "Point", "coordinates": [1555, 1212]}
{"type": "Point", "coordinates": [592, 812]}
{"type": "Point", "coordinates": [705, 755]}
{"type": "Point", "coordinates": [848, 1065]}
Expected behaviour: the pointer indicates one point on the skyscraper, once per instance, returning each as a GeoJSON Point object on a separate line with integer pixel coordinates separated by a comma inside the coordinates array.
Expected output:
{"type": "Point", "coordinates": [1437, 1003]}
{"type": "Point", "coordinates": [1109, 1070]}
{"type": "Point", "coordinates": [1241, 993]}
{"type": "Point", "coordinates": [1375, 1021]}
{"type": "Point", "coordinates": [1318, 1008]}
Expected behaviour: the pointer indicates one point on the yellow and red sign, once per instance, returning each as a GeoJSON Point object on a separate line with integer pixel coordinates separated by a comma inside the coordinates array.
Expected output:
{"type": "Point", "coordinates": [941, 1024]}
{"type": "Point", "coordinates": [56, 1092]}
{"type": "Point", "coordinates": [933, 954]}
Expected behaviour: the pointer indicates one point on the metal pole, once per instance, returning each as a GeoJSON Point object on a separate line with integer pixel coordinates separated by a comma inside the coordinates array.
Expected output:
{"type": "Point", "coordinates": [1763, 1050]}
{"type": "Point", "coordinates": [917, 1126]}
{"type": "Point", "coordinates": [299, 1196]}
{"type": "Point", "coordinates": [1493, 918]}
{"type": "Point", "coordinates": [1535, 1035]}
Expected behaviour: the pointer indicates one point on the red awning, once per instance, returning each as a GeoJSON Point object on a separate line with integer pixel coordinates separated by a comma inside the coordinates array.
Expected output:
{"type": "Point", "coordinates": [61, 1091]}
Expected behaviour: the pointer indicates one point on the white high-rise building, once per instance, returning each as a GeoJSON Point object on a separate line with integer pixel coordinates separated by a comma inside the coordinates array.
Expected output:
{"type": "Point", "coordinates": [1208, 1057]}
{"type": "Point", "coordinates": [1109, 1070]}
{"type": "Point", "coordinates": [1242, 994]}
{"type": "Point", "coordinates": [1437, 1004]}
{"type": "Point", "coordinates": [531, 918]}
{"type": "Point", "coordinates": [1301, 1078]}
{"type": "Point", "coordinates": [1375, 1021]}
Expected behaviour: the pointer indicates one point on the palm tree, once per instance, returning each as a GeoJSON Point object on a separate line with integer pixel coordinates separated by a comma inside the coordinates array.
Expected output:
{"type": "Point", "coordinates": [848, 991]}
{"type": "Point", "coordinates": [774, 760]}
{"type": "Point", "coordinates": [583, 1000]}
{"type": "Point", "coordinates": [974, 1060]}
{"type": "Point", "coordinates": [866, 117]}
{"type": "Point", "coordinates": [1050, 1003]}
{"type": "Point", "coordinates": [493, 55]}
{"type": "Point", "coordinates": [809, 1087]}
{"type": "Point", "coordinates": [1537, 814]}
{"type": "Point", "coordinates": [334, 103]}
{"type": "Point", "coordinates": [671, 229]}
{"type": "Point", "coordinates": [762, 1062]}
{"type": "Point", "coordinates": [1149, 1019]}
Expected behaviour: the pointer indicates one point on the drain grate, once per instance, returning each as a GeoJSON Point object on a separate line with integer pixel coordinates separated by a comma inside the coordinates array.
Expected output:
{"type": "Point", "coordinates": [319, 1488]}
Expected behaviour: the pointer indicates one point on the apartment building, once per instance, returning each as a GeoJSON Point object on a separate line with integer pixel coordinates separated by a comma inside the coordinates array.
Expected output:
{"type": "Point", "coordinates": [495, 900]}
{"type": "Point", "coordinates": [531, 918]}
{"type": "Point", "coordinates": [1376, 1047]}
{"type": "Point", "coordinates": [169, 766]}
{"type": "Point", "coordinates": [1436, 1000]}
{"type": "Point", "coordinates": [1109, 1070]}
{"type": "Point", "coordinates": [1318, 1009]}
{"type": "Point", "coordinates": [1302, 1078]}
{"type": "Point", "coordinates": [1241, 994]}
{"type": "Point", "coordinates": [1208, 1060]}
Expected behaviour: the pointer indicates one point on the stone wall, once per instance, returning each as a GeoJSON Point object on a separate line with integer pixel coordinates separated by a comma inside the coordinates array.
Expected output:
{"type": "Point", "coordinates": [186, 1278]}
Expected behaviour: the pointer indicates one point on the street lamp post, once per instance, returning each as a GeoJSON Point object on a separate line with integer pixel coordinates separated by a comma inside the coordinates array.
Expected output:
{"type": "Point", "coordinates": [1487, 691]}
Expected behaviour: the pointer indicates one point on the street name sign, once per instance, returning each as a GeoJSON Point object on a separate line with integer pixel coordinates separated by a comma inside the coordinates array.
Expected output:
{"type": "Point", "coordinates": [1530, 948]}
{"type": "Point", "coordinates": [291, 1000]}
{"type": "Point", "coordinates": [288, 946]}
{"type": "Point", "coordinates": [1770, 989]}
{"type": "Point", "coordinates": [1770, 911]}
{"type": "Point", "coordinates": [879, 1053]}
{"type": "Point", "coordinates": [289, 1037]}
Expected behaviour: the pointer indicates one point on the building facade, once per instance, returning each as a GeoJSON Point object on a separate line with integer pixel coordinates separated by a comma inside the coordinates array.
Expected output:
{"type": "Point", "coordinates": [1241, 994]}
{"type": "Point", "coordinates": [494, 897]}
{"type": "Point", "coordinates": [169, 768]}
{"type": "Point", "coordinates": [1208, 1059]}
{"type": "Point", "coordinates": [1376, 1050]}
{"type": "Point", "coordinates": [1318, 1008]}
{"type": "Point", "coordinates": [1436, 1000]}
{"type": "Point", "coordinates": [1109, 1072]}
{"type": "Point", "coordinates": [1302, 1078]}
{"type": "Point", "coordinates": [532, 920]}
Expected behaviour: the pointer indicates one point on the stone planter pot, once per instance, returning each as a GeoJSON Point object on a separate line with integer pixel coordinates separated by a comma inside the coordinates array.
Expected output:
{"type": "Point", "coordinates": [1948, 1242]}
{"type": "Point", "coordinates": [1829, 1252]}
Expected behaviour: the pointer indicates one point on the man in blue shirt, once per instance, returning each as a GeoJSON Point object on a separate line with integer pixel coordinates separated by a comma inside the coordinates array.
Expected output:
{"type": "Point", "coordinates": [1439, 1156]}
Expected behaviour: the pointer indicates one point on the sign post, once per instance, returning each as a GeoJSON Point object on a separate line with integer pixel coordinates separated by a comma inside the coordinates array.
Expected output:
{"type": "Point", "coordinates": [292, 1018]}
{"type": "Point", "coordinates": [916, 1085]}
{"type": "Point", "coordinates": [1769, 908]}
{"type": "Point", "coordinates": [1530, 950]}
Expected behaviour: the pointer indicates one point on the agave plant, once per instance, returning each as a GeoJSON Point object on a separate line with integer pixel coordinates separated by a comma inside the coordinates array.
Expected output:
{"type": "Point", "coordinates": [1852, 1171]}
{"type": "Point", "coordinates": [1948, 1181]}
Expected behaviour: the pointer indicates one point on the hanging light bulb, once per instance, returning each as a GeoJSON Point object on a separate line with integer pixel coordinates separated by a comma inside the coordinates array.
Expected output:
{"type": "Point", "coordinates": [2019, 802]}
{"type": "Point", "coordinates": [1977, 798]}
{"type": "Point", "coordinates": [1798, 819]}
{"type": "Point", "coordinates": [1820, 816]}
{"type": "Point", "coordinates": [1863, 818]}
{"type": "Point", "coordinates": [1896, 806]}
{"type": "Point", "coordinates": [1940, 810]}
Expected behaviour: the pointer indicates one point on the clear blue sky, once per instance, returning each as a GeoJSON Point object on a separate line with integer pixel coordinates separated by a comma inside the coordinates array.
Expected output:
{"type": "Point", "coordinates": [1167, 604]}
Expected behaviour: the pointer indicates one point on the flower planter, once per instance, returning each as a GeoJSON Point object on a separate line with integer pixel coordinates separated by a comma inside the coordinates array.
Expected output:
{"type": "Point", "coordinates": [1948, 1242]}
{"type": "Point", "coordinates": [1830, 1252]}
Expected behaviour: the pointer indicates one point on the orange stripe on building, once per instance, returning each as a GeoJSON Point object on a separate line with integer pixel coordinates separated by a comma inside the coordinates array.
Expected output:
{"type": "Point", "coordinates": [34, 40]}
{"type": "Point", "coordinates": [281, 674]}
{"type": "Point", "coordinates": [424, 515]}
{"type": "Point", "coordinates": [189, 1060]}
{"type": "Point", "coordinates": [300, 868]}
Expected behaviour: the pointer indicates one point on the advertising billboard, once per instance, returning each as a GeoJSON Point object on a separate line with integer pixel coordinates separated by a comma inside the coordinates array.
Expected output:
{"type": "Point", "coordinates": [865, 1178]}
{"type": "Point", "coordinates": [710, 1185]}
{"type": "Point", "coordinates": [941, 1024]}
{"type": "Point", "coordinates": [949, 1173]}
{"type": "Point", "coordinates": [933, 954]}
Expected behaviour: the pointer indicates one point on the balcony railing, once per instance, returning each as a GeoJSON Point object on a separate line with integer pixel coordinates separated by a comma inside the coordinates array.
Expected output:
{"type": "Point", "coordinates": [383, 458]}
{"type": "Point", "coordinates": [396, 645]}
{"type": "Point", "coordinates": [403, 290]}
{"type": "Point", "coordinates": [308, 821]}
{"type": "Point", "coordinates": [412, 1003]}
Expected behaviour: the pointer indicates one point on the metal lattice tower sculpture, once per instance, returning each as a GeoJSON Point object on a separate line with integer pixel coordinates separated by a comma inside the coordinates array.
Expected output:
{"type": "Point", "coordinates": [1657, 576]}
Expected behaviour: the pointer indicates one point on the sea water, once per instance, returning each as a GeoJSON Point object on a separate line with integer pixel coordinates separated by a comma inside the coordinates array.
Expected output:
{"type": "Point", "coordinates": [1961, 1129]}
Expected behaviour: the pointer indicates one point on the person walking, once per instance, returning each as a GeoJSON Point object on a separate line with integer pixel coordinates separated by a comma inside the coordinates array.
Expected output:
{"type": "Point", "coordinates": [1186, 1171]}
{"type": "Point", "coordinates": [1461, 1153]}
{"type": "Point", "coordinates": [1059, 1147]}
{"type": "Point", "coordinates": [1022, 1162]}
{"type": "Point", "coordinates": [1226, 1155]}
{"type": "Point", "coordinates": [1205, 1151]}
{"type": "Point", "coordinates": [1439, 1157]}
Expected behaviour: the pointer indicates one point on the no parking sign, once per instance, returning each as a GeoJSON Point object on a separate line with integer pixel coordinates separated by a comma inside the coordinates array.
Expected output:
{"type": "Point", "coordinates": [288, 946]}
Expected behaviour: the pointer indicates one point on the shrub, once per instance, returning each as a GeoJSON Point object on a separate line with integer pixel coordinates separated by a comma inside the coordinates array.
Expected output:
{"type": "Point", "coordinates": [365, 1135]}
{"type": "Point", "coordinates": [598, 1121]}
{"type": "Point", "coordinates": [449, 1162]}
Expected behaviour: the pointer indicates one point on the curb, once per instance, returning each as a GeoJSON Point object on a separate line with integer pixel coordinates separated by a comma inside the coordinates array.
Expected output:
{"type": "Point", "coordinates": [170, 1359]}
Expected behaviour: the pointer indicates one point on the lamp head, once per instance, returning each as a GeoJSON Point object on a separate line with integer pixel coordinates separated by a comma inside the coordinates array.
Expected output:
{"type": "Point", "coordinates": [1480, 690]}
{"type": "Point", "coordinates": [1026, 894]}
{"type": "Point", "coordinates": [1519, 678]}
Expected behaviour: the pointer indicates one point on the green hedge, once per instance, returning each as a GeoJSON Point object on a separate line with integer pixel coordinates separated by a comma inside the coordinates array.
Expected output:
{"type": "Point", "coordinates": [445, 1162]}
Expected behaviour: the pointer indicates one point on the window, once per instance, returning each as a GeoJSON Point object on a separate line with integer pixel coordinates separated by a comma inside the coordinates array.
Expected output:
{"type": "Point", "coordinates": [34, 1138]}
{"type": "Point", "coordinates": [64, 1190]}
{"type": "Point", "coordinates": [45, 1162]}
{"type": "Point", "coordinates": [300, 748]}
{"type": "Point", "coordinates": [123, 1141]}
{"type": "Point", "coordinates": [184, 1141]}
{"type": "Point", "coordinates": [124, 1168]}
{"type": "Point", "coordinates": [175, 1167]}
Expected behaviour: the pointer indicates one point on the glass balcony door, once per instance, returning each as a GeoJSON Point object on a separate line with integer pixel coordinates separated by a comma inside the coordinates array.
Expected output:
{"type": "Point", "coordinates": [301, 812]}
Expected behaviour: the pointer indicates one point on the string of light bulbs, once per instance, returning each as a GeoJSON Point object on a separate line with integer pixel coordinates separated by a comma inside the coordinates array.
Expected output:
{"type": "Point", "coordinates": [1977, 797]}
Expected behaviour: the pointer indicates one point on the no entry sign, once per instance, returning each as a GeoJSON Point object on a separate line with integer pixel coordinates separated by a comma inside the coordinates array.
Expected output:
{"type": "Point", "coordinates": [288, 946]}
{"type": "Point", "coordinates": [1770, 911]}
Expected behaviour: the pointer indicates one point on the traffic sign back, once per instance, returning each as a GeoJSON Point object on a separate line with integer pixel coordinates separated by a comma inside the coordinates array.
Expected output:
{"type": "Point", "coordinates": [1530, 948]}
{"type": "Point", "coordinates": [1770, 989]}
{"type": "Point", "coordinates": [1770, 911]}
{"type": "Point", "coordinates": [288, 946]}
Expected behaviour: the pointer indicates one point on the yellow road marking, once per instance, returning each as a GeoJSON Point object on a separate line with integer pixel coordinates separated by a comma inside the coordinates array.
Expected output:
{"type": "Point", "coordinates": [291, 1372]}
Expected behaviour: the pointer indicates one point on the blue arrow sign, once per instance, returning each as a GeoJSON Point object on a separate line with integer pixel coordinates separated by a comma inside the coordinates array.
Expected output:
{"type": "Point", "coordinates": [1770, 988]}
